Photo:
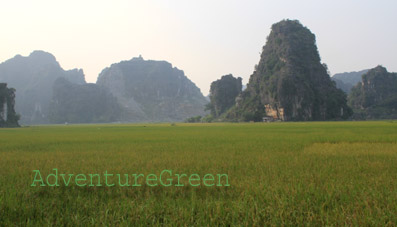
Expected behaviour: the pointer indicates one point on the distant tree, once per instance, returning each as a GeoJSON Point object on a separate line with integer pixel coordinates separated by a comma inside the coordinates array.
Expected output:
{"type": "Point", "coordinates": [8, 116]}
{"type": "Point", "coordinates": [195, 119]}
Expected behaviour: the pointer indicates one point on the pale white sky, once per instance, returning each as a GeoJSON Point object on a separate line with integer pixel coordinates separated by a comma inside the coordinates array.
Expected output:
{"type": "Point", "coordinates": [206, 38]}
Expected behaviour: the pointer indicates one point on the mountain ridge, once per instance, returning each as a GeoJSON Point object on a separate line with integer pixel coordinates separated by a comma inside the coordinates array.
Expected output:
{"type": "Point", "coordinates": [347, 80]}
{"type": "Point", "coordinates": [152, 90]}
{"type": "Point", "coordinates": [33, 77]}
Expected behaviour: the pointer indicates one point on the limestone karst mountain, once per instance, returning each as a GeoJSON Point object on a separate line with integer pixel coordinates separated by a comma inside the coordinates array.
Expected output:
{"type": "Point", "coordinates": [290, 82]}
{"type": "Point", "coordinates": [345, 81]}
{"type": "Point", "coordinates": [375, 97]}
{"type": "Point", "coordinates": [152, 91]}
{"type": "Point", "coordinates": [223, 93]}
{"type": "Point", "coordinates": [82, 103]}
{"type": "Point", "coordinates": [33, 78]}
{"type": "Point", "coordinates": [45, 93]}
{"type": "Point", "coordinates": [129, 91]}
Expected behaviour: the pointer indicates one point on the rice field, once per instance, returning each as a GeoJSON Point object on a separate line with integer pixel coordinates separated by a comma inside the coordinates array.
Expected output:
{"type": "Point", "coordinates": [291, 174]}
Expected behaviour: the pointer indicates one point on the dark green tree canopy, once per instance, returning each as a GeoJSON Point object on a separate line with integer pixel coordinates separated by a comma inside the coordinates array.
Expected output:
{"type": "Point", "coordinates": [8, 117]}
{"type": "Point", "coordinates": [223, 93]}
{"type": "Point", "coordinates": [376, 96]}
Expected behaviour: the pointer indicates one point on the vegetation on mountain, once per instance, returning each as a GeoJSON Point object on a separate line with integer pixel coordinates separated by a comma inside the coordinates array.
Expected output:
{"type": "Point", "coordinates": [376, 96]}
{"type": "Point", "coordinates": [152, 91]}
{"type": "Point", "coordinates": [33, 78]}
{"type": "Point", "coordinates": [223, 93]}
{"type": "Point", "coordinates": [195, 119]}
{"type": "Point", "coordinates": [82, 103]}
{"type": "Point", "coordinates": [346, 81]}
{"type": "Point", "coordinates": [290, 82]}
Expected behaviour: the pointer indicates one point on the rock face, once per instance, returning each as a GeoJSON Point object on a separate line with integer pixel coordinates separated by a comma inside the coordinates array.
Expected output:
{"type": "Point", "coordinates": [8, 117]}
{"type": "Point", "coordinates": [290, 83]}
{"type": "Point", "coordinates": [223, 93]}
{"type": "Point", "coordinates": [346, 81]}
{"type": "Point", "coordinates": [82, 103]}
{"type": "Point", "coordinates": [152, 91]}
{"type": "Point", "coordinates": [376, 96]}
{"type": "Point", "coordinates": [33, 78]}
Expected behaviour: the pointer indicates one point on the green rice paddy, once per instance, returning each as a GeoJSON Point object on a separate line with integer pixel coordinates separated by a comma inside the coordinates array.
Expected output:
{"type": "Point", "coordinates": [310, 173]}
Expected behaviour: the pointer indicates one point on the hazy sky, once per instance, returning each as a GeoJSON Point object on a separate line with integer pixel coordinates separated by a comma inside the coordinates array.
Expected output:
{"type": "Point", "coordinates": [205, 38]}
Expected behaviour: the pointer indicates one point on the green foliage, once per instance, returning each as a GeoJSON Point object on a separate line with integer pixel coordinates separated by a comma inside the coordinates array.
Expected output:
{"type": "Point", "coordinates": [376, 96]}
{"type": "Point", "coordinates": [223, 93]}
{"type": "Point", "coordinates": [290, 76]}
{"type": "Point", "coordinates": [8, 116]}
{"type": "Point", "coordinates": [248, 108]}
{"type": "Point", "coordinates": [208, 118]}
{"type": "Point", "coordinates": [195, 119]}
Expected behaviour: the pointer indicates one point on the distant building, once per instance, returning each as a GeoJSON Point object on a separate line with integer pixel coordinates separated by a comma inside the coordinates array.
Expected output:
{"type": "Point", "coordinates": [274, 112]}
{"type": "Point", "coordinates": [268, 119]}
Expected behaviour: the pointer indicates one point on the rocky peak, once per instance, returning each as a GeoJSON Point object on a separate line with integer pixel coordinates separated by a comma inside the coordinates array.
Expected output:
{"type": "Point", "coordinates": [290, 80]}
{"type": "Point", "coordinates": [376, 95]}
{"type": "Point", "coordinates": [152, 90]}
{"type": "Point", "coordinates": [33, 77]}
{"type": "Point", "coordinates": [42, 57]}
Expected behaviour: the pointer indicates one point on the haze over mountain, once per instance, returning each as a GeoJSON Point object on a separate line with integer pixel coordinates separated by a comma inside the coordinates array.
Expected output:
{"type": "Point", "coordinates": [82, 103]}
{"type": "Point", "coordinates": [345, 81]}
{"type": "Point", "coordinates": [33, 77]}
{"type": "Point", "coordinates": [152, 90]}
{"type": "Point", "coordinates": [290, 83]}
{"type": "Point", "coordinates": [130, 91]}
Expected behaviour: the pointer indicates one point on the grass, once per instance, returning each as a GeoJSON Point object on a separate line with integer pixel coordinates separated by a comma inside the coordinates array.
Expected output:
{"type": "Point", "coordinates": [313, 173]}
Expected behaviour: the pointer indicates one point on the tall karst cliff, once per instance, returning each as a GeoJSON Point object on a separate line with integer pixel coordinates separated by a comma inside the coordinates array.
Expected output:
{"type": "Point", "coordinates": [8, 116]}
{"type": "Point", "coordinates": [290, 83]}
{"type": "Point", "coordinates": [223, 93]}
{"type": "Point", "coordinates": [152, 91]}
